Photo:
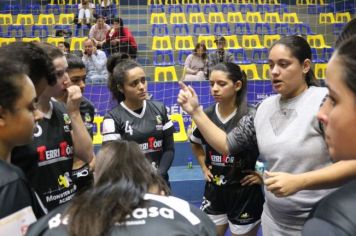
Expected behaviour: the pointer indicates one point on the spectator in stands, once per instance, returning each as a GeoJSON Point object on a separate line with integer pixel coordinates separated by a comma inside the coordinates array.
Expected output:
{"type": "Point", "coordinates": [196, 64]}
{"type": "Point", "coordinates": [335, 214]}
{"type": "Point", "coordinates": [47, 161]}
{"type": "Point", "coordinates": [119, 39]}
{"type": "Point", "coordinates": [128, 198]}
{"type": "Point", "coordinates": [86, 10]}
{"type": "Point", "coordinates": [220, 55]}
{"type": "Point", "coordinates": [64, 47]}
{"type": "Point", "coordinates": [302, 162]}
{"type": "Point", "coordinates": [95, 62]}
{"type": "Point", "coordinates": [98, 32]}
{"type": "Point", "coordinates": [232, 186]}
{"type": "Point", "coordinates": [82, 172]}
{"type": "Point", "coordinates": [105, 9]}
{"type": "Point", "coordinates": [138, 119]}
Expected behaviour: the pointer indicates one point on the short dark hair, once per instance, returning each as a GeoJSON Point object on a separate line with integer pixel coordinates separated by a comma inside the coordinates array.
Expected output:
{"type": "Point", "coordinates": [74, 62]}
{"type": "Point", "coordinates": [37, 62]}
{"type": "Point", "coordinates": [11, 75]}
{"type": "Point", "coordinates": [348, 31]}
{"type": "Point", "coordinates": [66, 44]}
{"type": "Point", "coordinates": [52, 51]}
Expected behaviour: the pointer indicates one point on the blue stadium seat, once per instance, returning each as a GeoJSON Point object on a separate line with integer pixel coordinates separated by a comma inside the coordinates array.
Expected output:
{"type": "Point", "coordinates": [242, 28]}
{"type": "Point", "coordinates": [34, 9]}
{"type": "Point", "coordinates": [174, 9]}
{"type": "Point", "coordinates": [71, 8]}
{"type": "Point", "coordinates": [326, 54]}
{"type": "Point", "coordinates": [17, 31]}
{"type": "Point", "coordinates": [259, 55]}
{"type": "Point", "coordinates": [240, 56]}
{"type": "Point", "coordinates": [13, 9]}
{"type": "Point", "coordinates": [159, 30]}
{"type": "Point", "coordinates": [183, 29]}
{"type": "Point", "coordinates": [1, 32]}
{"type": "Point", "coordinates": [156, 8]}
{"type": "Point", "coordinates": [39, 31]}
{"type": "Point", "coordinates": [228, 7]}
{"type": "Point", "coordinates": [282, 29]}
{"type": "Point", "coordinates": [81, 30]}
{"type": "Point", "coordinates": [182, 55]}
{"type": "Point", "coordinates": [163, 58]}
{"type": "Point", "coordinates": [317, 9]}
{"type": "Point", "coordinates": [244, 8]}
{"type": "Point", "coordinates": [263, 8]}
{"type": "Point", "coordinates": [53, 8]}
{"type": "Point", "coordinates": [337, 28]}
{"type": "Point", "coordinates": [190, 8]}
{"type": "Point", "coordinates": [207, 8]}
{"type": "Point", "coordinates": [202, 28]}
{"type": "Point", "coordinates": [222, 29]}
{"type": "Point", "coordinates": [282, 8]}
{"type": "Point", "coordinates": [262, 28]}
{"type": "Point", "coordinates": [144, 61]}
{"type": "Point", "coordinates": [302, 29]}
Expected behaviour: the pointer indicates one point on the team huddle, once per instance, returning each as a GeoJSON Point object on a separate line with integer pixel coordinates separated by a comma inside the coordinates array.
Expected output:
{"type": "Point", "coordinates": [52, 182]}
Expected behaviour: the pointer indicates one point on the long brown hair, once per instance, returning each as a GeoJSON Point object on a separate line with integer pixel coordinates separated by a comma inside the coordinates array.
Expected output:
{"type": "Point", "coordinates": [123, 175]}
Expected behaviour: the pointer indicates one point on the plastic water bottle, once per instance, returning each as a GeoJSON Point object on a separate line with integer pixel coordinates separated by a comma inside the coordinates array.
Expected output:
{"type": "Point", "coordinates": [190, 163]}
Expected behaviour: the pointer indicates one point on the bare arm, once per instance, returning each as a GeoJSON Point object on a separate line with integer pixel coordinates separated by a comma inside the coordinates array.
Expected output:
{"type": "Point", "coordinates": [188, 100]}
{"type": "Point", "coordinates": [83, 148]}
{"type": "Point", "coordinates": [199, 154]}
{"type": "Point", "coordinates": [284, 184]}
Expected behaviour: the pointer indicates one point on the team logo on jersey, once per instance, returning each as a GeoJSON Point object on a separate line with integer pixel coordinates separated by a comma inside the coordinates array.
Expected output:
{"type": "Point", "coordinates": [64, 180]}
{"type": "Point", "coordinates": [219, 180]}
{"type": "Point", "coordinates": [159, 122]}
{"type": "Point", "coordinates": [38, 131]}
{"type": "Point", "coordinates": [87, 117]}
{"type": "Point", "coordinates": [48, 156]}
{"type": "Point", "coordinates": [221, 160]}
{"type": "Point", "coordinates": [152, 145]}
{"type": "Point", "coordinates": [244, 215]}
{"type": "Point", "coordinates": [66, 119]}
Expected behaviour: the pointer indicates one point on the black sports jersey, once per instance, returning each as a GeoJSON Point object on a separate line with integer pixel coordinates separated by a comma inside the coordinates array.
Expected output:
{"type": "Point", "coordinates": [161, 216]}
{"type": "Point", "coordinates": [226, 169]}
{"type": "Point", "coordinates": [87, 112]}
{"type": "Point", "coordinates": [148, 129]}
{"type": "Point", "coordinates": [15, 192]}
{"type": "Point", "coordinates": [47, 162]}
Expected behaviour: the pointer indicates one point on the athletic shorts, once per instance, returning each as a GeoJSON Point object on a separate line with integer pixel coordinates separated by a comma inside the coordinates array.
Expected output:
{"type": "Point", "coordinates": [242, 205]}
{"type": "Point", "coordinates": [82, 177]}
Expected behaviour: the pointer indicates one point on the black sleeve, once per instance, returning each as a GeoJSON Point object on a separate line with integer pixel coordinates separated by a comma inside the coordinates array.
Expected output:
{"type": "Point", "coordinates": [18, 195]}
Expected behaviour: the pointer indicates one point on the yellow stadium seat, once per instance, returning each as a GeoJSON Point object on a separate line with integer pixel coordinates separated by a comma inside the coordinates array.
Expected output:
{"type": "Point", "coordinates": [171, 2]}
{"type": "Point", "coordinates": [189, 2]}
{"type": "Point", "coordinates": [60, 2]}
{"type": "Point", "coordinates": [317, 41]}
{"type": "Point", "coordinates": [184, 43]}
{"type": "Point", "coordinates": [208, 40]}
{"type": "Point", "coordinates": [271, 2]}
{"type": "Point", "coordinates": [180, 136]}
{"type": "Point", "coordinates": [5, 19]}
{"type": "Point", "coordinates": [216, 17]}
{"type": "Point", "coordinates": [342, 17]}
{"type": "Point", "coordinates": [268, 40]}
{"type": "Point", "coordinates": [246, 2]}
{"type": "Point", "coordinates": [55, 40]}
{"type": "Point", "coordinates": [202, 2]}
{"type": "Point", "coordinates": [301, 2]}
{"type": "Point", "coordinates": [5, 41]}
{"type": "Point", "coordinates": [254, 17]}
{"type": "Point", "coordinates": [76, 43]}
{"type": "Point", "coordinates": [291, 18]}
{"type": "Point", "coordinates": [158, 18]}
{"type": "Point", "coordinates": [154, 2]}
{"type": "Point", "coordinates": [66, 19]}
{"type": "Point", "coordinates": [235, 17]}
{"type": "Point", "coordinates": [34, 39]}
{"type": "Point", "coordinates": [25, 19]}
{"type": "Point", "coordinates": [251, 71]}
{"type": "Point", "coordinates": [265, 72]}
{"type": "Point", "coordinates": [320, 71]}
{"type": "Point", "coordinates": [251, 41]}
{"type": "Point", "coordinates": [46, 19]}
{"type": "Point", "coordinates": [177, 18]}
{"type": "Point", "coordinates": [98, 137]}
{"type": "Point", "coordinates": [315, 2]}
{"type": "Point", "coordinates": [232, 42]}
{"type": "Point", "coordinates": [326, 18]}
{"type": "Point", "coordinates": [197, 18]}
{"type": "Point", "coordinates": [168, 73]}
{"type": "Point", "coordinates": [161, 43]}
{"type": "Point", "coordinates": [272, 17]}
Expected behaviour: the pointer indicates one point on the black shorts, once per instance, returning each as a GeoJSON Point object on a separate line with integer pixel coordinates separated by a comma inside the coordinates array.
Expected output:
{"type": "Point", "coordinates": [242, 205]}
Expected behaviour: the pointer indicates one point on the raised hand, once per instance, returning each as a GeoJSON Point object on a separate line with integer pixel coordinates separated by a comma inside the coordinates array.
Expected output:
{"type": "Point", "coordinates": [187, 98]}
{"type": "Point", "coordinates": [74, 98]}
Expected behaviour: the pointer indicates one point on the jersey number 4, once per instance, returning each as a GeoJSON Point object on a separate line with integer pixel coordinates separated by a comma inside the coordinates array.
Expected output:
{"type": "Point", "coordinates": [128, 128]}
